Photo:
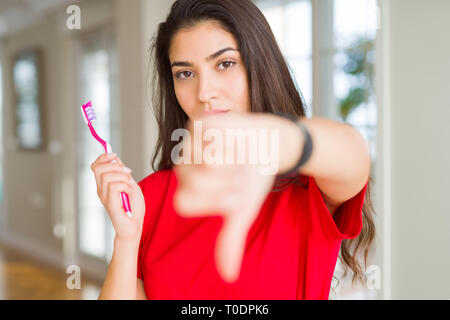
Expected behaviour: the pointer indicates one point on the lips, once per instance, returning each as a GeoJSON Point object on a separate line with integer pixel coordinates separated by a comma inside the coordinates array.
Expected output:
{"type": "Point", "coordinates": [214, 112]}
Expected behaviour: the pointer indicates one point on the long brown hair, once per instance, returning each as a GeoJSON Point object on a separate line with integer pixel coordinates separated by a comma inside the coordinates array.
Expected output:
{"type": "Point", "coordinates": [271, 87]}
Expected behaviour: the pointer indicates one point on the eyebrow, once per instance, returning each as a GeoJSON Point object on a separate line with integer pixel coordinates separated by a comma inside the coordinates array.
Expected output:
{"type": "Point", "coordinates": [211, 57]}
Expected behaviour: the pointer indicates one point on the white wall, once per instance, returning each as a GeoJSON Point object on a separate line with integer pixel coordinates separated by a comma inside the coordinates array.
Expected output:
{"type": "Point", "coordinates": [414, 90]}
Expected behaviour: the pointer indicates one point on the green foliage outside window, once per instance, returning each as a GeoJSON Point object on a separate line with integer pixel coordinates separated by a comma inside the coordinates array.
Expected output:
{"type": "Point", "coordinates": [359, 65]}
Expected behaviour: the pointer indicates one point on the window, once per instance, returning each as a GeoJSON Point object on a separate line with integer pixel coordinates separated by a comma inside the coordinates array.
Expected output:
{"type": "Point", "coordinates": [355, 25]}
{"type": "Point", "coordinates": [290, 22]}
{"type": "Point", "coordinates": [329, 45]}
{"type": "Point", "coordinates": [26, 82]}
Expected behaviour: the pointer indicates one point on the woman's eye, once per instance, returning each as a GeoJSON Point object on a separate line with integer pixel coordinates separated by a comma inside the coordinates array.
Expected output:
{"type": "Point", "coordinates": [227, 64]}
{"type": "Point", "coordinates": [185, 74]}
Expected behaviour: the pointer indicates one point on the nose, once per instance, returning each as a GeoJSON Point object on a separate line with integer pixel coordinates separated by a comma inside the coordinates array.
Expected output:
{"type": "Point", "coordinates": [207, 89]}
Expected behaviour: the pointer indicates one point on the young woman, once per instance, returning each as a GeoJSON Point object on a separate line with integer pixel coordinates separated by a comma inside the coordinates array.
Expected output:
{"type": "Point", "coordinates": [215, 231]}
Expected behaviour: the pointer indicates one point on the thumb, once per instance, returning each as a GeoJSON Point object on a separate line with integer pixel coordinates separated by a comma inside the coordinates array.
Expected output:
{"type": "Point", "coordinates": [230, 246]}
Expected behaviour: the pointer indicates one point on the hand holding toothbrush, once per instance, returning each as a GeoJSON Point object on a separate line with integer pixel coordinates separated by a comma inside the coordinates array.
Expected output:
{"type": "Point", "coordinates": [113, 179]}
{"type": "Point", "coordinates": [108, 180]}
{"type": "Point", "coordinates": [88, 112]}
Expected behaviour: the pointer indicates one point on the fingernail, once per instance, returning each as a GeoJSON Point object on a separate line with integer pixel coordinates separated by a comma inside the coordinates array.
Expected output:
{"type": "Point", "coordinates": [126, 170]}
{"type": "Point", "coordinates": [111, 155]}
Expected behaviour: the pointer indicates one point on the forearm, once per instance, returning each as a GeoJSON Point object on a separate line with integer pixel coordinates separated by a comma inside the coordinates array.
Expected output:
{"type": "Point", "coordinates": [121, 278]}
{"type": "Point", "coordinates": [339, 152]}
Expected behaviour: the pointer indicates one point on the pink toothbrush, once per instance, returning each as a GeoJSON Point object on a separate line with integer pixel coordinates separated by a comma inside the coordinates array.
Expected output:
{"type": "Point", "coordinates": [89, 116]}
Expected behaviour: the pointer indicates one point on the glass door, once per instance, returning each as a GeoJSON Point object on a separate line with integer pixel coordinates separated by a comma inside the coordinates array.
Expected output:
{"type": "Point", "coordinates": [97, 81]}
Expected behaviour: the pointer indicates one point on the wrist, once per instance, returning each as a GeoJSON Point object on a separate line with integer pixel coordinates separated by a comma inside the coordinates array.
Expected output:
{"type": "Point", "coordinates": [292, 140]}
{"type": "Point", "coordinates": [127, 242]}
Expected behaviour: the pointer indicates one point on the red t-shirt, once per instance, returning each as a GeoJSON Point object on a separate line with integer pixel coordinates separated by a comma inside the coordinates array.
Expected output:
{"type": "Point", "coordinates": [291, 250]}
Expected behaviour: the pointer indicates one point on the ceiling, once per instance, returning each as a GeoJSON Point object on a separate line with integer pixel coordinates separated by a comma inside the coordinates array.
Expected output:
{"type": "Point", "coordinates": [18, 14]}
